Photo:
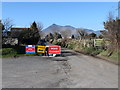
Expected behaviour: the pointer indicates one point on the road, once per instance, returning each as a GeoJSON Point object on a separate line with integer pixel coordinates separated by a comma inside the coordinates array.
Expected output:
{"type": "Point", "coordinates": [71, 70]}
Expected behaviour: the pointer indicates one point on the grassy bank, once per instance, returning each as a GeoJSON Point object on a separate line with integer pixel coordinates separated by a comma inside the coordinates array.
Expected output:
{"type": "Point", "coordinates": [78, 46]}
{"type": "Point", "coordinates": [8, 52]}
{"type": "Point", "coordinates": [114, 56]}
{"type": "Point", "coordinates": [11, 52]}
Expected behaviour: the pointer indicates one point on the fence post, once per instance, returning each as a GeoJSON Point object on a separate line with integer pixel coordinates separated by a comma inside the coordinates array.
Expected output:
{"type": "Point", "coordinates": [94, 42]}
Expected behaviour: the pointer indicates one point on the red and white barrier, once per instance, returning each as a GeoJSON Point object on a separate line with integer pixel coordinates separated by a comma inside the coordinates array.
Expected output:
{"type": "Point", "coordinates": [54, 50]}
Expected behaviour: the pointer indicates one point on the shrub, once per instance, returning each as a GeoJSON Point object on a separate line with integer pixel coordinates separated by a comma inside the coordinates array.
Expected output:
{"type": "Point", "coordinates": [89, 49]}
{"type": "Point", "coordinates": [92, 50]}
{"type": "Point", "coordinates": [71, 46]}
{"type": "Point", "coordinates": [96, 52]}
{"type": "Point", "coordinates": [9, 52]}
{"type": "Point", "coordinates": [56, 43]}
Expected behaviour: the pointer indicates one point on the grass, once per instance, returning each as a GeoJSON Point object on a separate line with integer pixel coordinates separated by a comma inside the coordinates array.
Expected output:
{"type": "Point", "coordinates": [104, 53]}
{"type": "Point", "coordinates": [71, 46]}
{"type": "Point", "coordinates": [30, 54]}
{"type": "Point", "coordinates": [113, 57]}
{"type": "Point", "coordinates": [10, 52]}
{"type": "Point", "coordinates": [92, 50]}
{"type": "Point", "coordinates": [75, 45]}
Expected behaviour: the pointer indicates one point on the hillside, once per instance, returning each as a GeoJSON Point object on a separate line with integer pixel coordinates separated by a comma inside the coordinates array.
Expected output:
{"type": "Point", "coordinates": [57, 28]}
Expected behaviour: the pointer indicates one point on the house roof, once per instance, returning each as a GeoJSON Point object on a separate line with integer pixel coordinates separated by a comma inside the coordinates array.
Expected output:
{"type": "Point", "coordinates": [18, 28]}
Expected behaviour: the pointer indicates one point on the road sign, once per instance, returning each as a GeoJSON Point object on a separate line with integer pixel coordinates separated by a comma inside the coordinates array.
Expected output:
{"type": "Point", "coordinates": [30, 49]}
{"type": "Point", "coordinates": [54, 50]}
{"type": "Point", "coordinates": [40, 49]}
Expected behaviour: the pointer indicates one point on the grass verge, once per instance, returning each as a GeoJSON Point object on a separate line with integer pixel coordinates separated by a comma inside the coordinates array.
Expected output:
{"type": "Point", "coordinates": [10, 52]}
{"type": "Point", "coordinates": [113, 57]}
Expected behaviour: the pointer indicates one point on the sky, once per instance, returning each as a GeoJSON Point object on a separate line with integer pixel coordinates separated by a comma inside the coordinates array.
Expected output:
{"type": "Point", "coordinates": [90, 15]}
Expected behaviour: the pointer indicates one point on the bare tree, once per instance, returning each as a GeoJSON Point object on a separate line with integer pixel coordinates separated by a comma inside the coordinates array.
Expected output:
{"type": "Point", "coordinates": [82, 33]}
{"type": "Point", "coordinates": [8, 23]}
{"type": "Point", "coordinates": [112, 33]}
{"type": "Point", "coordinates": [42, 35]}
{"type": "Point", "coordinates": [49, 37]}
{"type": "Point", "coordinates": [40, 27]}
{"type": "Point", "coordinates": [56, 35]}
{"type": "Point", "coordinates": [110, 16]}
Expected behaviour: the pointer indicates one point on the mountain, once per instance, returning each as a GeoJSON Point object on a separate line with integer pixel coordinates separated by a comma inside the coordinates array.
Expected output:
{"type": "Point", "coordinates": [58, 28]}
{"type": "Point", "coordinates": [92, 31]}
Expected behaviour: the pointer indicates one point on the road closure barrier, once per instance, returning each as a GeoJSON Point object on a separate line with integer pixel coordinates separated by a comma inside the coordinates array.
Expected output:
{"type": "Point", "coordinates": [30, 49]}
{"type": "Point", "coordinates": [54, 50]}
{"type": "Point", "coordinates": [47, 50]}
{"type": "Point", "coordinates": [40, 49]}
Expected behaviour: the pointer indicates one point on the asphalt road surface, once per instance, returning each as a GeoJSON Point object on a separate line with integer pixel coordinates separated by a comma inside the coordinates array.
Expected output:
{"type": "Point", "coordinates": [70, 70]}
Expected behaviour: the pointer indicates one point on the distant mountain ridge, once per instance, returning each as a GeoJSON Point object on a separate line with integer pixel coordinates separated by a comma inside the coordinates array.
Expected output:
{"type": "Point", "coordinates": [59, 28]}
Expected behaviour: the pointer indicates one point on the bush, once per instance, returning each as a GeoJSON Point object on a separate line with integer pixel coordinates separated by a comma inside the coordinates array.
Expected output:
{"type": "Point", "coordinates": [96, 52]}
{"type": "Point", "coordinates": [104, 53]}
{"type": "Point", "coordinates": [71, 46]}
{"type": "Point", "coordinates": [29, 36]}
{"type": "Point", "coordinates": [89, 49]}
{"type": "Point", "coordinates": [56, 43]}
{"type": "Point", "coordinates": [8, 52]}
{"type": "Point", "coordinates": [75, 45]}
{"type": "Point", "coordinates": [92, 50]}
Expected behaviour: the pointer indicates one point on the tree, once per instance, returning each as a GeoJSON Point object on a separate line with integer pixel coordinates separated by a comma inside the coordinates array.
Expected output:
{"type": "Point", "coordinates": [1, 25]}
{"type": "Point", "coordinates": [35, 31]}
{"type": "Point", "coordinates": [73, 36]}
{"type": "Point", "coordinates": [1, 28]}
{"type": "Point", "coordinates": [100, 36]}
{"type": "Point", "coordinates": [40, 27]}
{"type": "Point", "coordinates": [112, 33]}
{"type": "Point", "coordinates": [30, 35]}
{"type": "Point", "coordinates": [82, 33]}
{"type": "Point", "coordinates": [92, 35]}
{"type": "Point", "coordinates": [56, 35]}
{"type": "Point", "coordinates": [42, 35]}
{"type": "Point", "coordinates": [7, 25]}
{"type": "Point", "coordinates": [49, 37]}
